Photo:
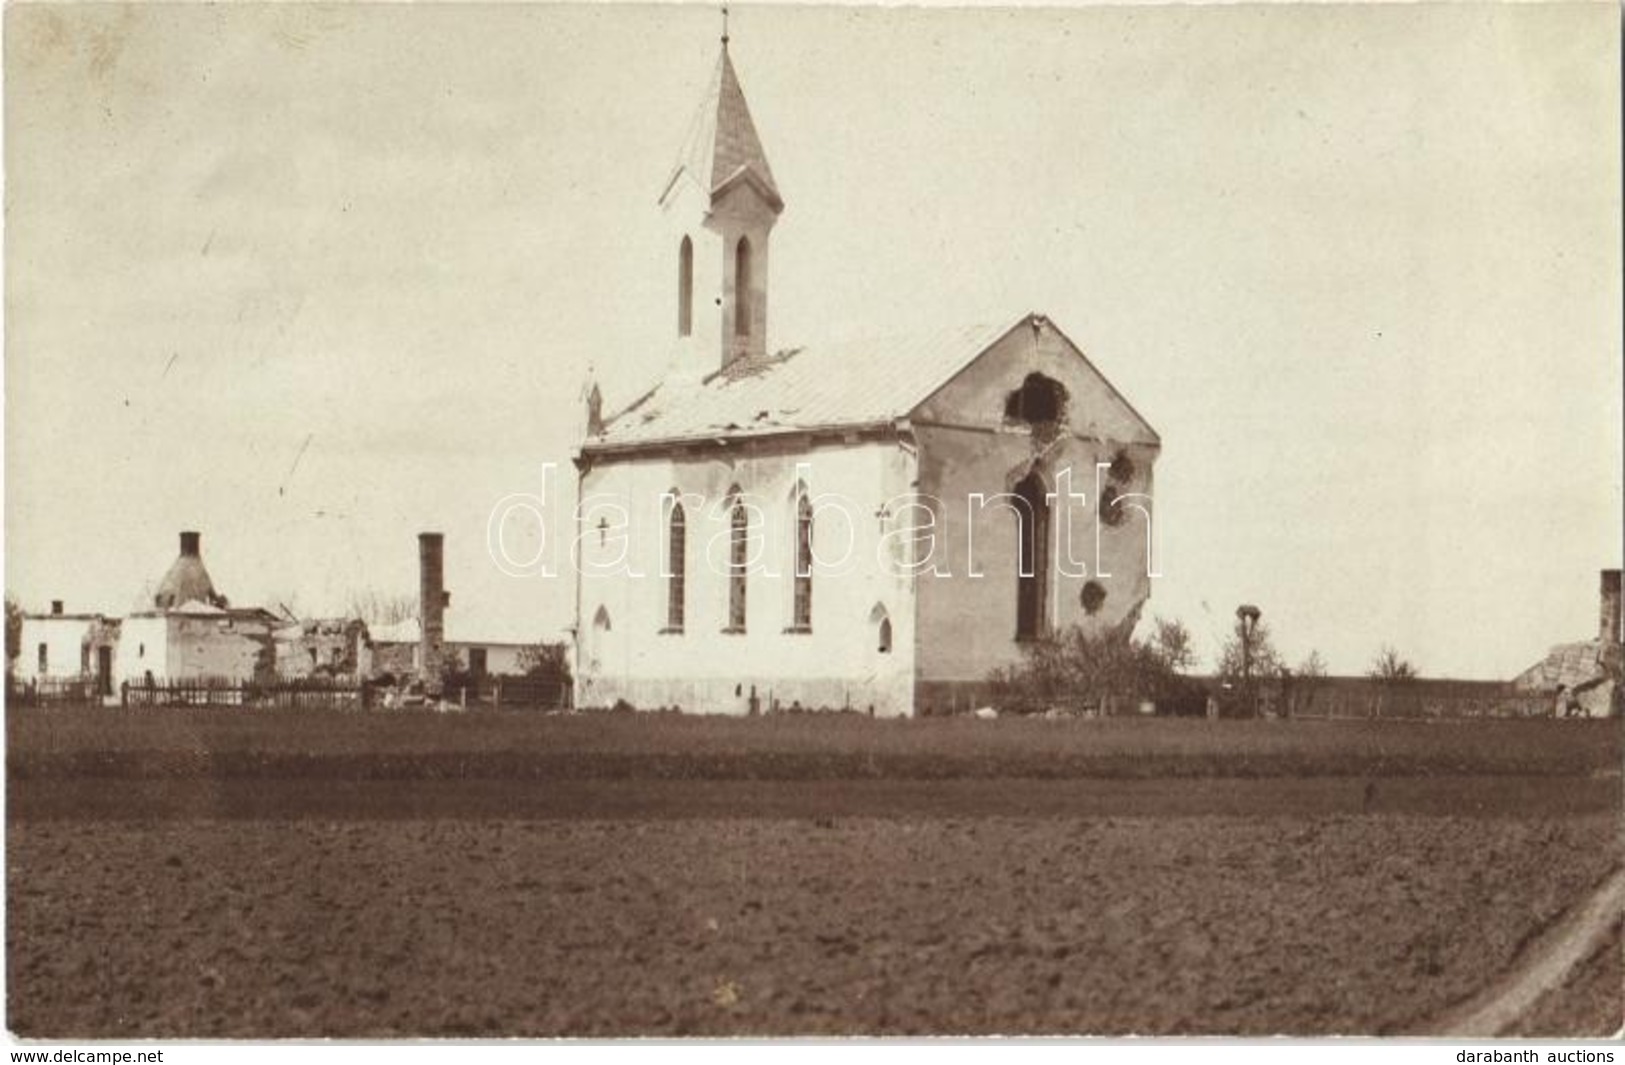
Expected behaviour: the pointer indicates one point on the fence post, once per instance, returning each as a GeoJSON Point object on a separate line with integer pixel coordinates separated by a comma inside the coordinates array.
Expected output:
{"type": "Point", "coordinates": [124, 695]}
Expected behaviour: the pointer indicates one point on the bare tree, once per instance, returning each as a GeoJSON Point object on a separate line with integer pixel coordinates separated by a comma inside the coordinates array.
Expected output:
{"type": "Point", "coordinates": [1265, 662]}
{"type": "Point", "coordinates": [382, 608]}
{"type": "Point", "coordinates": [1391, 667]}
{"type": "Point", "coordinates": [1249, 664]}
{"type": "Point", "coordinates": [1309, 679]}
{"type": "Point", "coordinates": [1392, 671]}
{"type": "Point", "coordinates": [1172, 643]}
{"type": "Point", "coordinates": [14, 631]}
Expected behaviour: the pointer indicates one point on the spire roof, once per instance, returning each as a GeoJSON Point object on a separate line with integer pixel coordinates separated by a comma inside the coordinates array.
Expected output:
{"type": "Point", "coordinates": [722, 147]}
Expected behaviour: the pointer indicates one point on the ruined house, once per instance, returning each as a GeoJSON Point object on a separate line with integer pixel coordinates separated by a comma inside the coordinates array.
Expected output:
{"type": "Point", "coordinates": [871, 525]}
{"type": "Point", "coordinates": [60, 647]}
{"type": "Point", "coordinates": [184, 630]}
{"type": "Point", "coordinates": [1592, 669]}
{"type": "Point", "coordinates": [323, 647]}
{"type": "Point", "coordinates": [193, 632]}
{"type": "Point", "coordinates": [411, 648]}
{"type": "Point", "coordinates": [398, 649]}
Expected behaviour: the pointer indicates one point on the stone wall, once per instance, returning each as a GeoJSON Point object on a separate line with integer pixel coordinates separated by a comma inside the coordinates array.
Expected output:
{"type": "Point", "coordinates": [236, 648]}
{"type": "Point", "coordinates": [330, 647]}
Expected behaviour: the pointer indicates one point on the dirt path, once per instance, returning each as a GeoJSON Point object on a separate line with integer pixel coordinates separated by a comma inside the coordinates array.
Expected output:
{"type": "Point", "coordinates": [1544, 965]}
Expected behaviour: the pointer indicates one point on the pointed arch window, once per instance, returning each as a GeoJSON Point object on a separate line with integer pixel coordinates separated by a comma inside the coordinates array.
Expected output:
{"type": "Point", "coordinates": [1032, 570]}
{"type": "Point", "coordinates": [600, 637]}
{"type": "Point", "coordinates": [742, 287]}
{"type": "Point", "coordinates": [801, 614]}
{"type": "Point", "coordinates": [676, 566]}
{"type": "Point", "coordinates": [738, 561]}
{"type": "Point", "coordinates": [880, 621]}
{"type": "Point", "coordinates": [685, 288]}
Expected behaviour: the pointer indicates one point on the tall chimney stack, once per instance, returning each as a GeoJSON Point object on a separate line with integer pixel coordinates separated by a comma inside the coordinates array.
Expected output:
{"type": "Point", "coordinates": [1609, 627]}
{"type": "Point", "coordinates": [189, 543]}
{"type": "Point", "coordinates": [431, 608]}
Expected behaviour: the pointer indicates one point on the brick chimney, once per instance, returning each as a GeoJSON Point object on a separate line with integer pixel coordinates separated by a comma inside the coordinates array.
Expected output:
{"type": "Point", "coordinates": [431, 608]}
{"type": "Point", "coordinates": [1609, 629]}
{"type": "Point", "coordinates": [190, 544]}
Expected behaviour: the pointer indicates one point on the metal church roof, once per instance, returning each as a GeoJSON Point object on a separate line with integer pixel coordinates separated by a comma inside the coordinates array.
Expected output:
{"type": "Point", "coordinates": [843, 385]}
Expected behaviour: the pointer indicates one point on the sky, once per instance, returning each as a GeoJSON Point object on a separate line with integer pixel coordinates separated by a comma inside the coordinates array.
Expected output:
{"type": "Point", "coordinates": [313, 279]}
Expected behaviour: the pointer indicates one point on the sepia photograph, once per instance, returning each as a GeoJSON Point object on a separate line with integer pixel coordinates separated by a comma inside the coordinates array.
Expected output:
{"type": "Point", "coordinates": [610, 521]}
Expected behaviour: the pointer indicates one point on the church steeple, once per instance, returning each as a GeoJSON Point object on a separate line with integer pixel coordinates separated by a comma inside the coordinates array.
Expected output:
{"type": "Point", "coordinates": [722, 146]}
{"type": "Point", "coordinates": [721, 202]}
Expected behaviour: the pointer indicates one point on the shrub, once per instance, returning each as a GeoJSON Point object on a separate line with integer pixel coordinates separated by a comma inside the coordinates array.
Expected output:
{"type": "Point", "coordinates": [1080, 671]}
{"type": "Point", "coordinates": [546, 661]}
{"type": "Point", "coordinates": [1391, 667]}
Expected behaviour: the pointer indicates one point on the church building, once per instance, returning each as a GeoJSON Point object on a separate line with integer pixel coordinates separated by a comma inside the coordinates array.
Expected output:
{"type": "Point", "coordinates": [872, 526]}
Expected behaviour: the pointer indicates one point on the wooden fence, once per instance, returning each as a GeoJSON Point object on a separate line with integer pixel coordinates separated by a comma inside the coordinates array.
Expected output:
{"type": "Point", "coordinates": [531, 693]}
{"type": "Point", "coordinates": [47, 690]}
{"type": "Point", "coordinates": [1363, 697]}
{"type": "Point", "coordinates": [303, 694]}
{"type": "Point", "coordinates": [307, 693]}
{"type": "Point", "coordinates": [510, 693]}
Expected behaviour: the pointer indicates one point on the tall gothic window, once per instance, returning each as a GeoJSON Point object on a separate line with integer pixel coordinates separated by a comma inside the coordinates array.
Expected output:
{"type": "Point", "coordinates": [1032, 573]}
{"type": "Point", "coordinates": [882, 626]}
{"type": "Point", "coordinates": [685, 288]}
{"type": "Point", "coordinates": [802, 615]}
{"type": "Point", "coordinates": [599, 640]}
{"type": "Point", "coordinates": [742, 287]}
{"type": "Point", "coordinates": [738, 560]}
{"type": "Point", "coordinates": [676, 566]}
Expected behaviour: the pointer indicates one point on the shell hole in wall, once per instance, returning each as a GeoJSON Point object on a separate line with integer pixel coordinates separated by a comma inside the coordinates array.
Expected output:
{"type": "Point", "coordinates": [1040, 400]}
{"type": "Point", "coordinates": [1093, 597]}
{"type": "Point", "coordinates": [1119, 480]}
{"type": "Point", "coordinates": [1122, 468]}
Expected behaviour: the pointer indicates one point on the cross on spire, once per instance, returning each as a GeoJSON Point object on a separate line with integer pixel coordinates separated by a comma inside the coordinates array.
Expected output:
{"type": "Point", "coordinates": [724, 25]}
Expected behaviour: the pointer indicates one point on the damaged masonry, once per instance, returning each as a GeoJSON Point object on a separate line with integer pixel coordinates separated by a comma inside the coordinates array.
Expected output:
{"type": "Point", "coordinates": [720, 469]}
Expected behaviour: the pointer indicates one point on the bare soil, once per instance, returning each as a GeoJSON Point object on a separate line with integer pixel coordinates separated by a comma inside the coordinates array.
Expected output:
{"type": "Point", "coordinates": [289, 744]}
{"type": "Point", "coordinates": [261, 798]}
{"type": "Point", "coordinates": [186, 875]}
{"type": "Point", "coordinates": [1180, 925]}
